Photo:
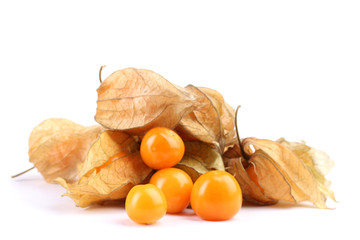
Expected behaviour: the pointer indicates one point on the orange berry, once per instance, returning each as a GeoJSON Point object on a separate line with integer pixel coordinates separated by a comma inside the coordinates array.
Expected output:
{"type": "Point", "coordinates": [161, 148]}
{"type": "Point", "coordinates": [145, 204]}
{"type": "Point", "coordinates": [176, 186]}
{"type": "Point", "coordinates": [216, 196]}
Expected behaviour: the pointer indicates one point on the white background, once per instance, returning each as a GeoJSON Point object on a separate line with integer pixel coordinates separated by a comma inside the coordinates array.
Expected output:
{"type": "Point", "coordinates": [293, 66]}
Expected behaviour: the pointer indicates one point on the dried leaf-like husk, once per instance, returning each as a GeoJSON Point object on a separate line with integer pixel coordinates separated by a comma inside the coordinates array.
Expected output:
{"type": "Point", "coordinates": [273, 181]}
{"type": "Point", "coordinates": [49, 127]}
{"type": "Point", "coordinates": [57, 146]}
{"type": "Point", "coordinates": [287, 169]}
{"type": "Point", "coordinates": [135, 100]}
{"type": "Point", "coordinates": [227, 116]}
{"type": "Point", "coordinates": [234, 164]}
{"type": "Point", "coordinates": [112, 181]}
{"type": "Point", "coordinates": [108, 144]}
{"type": "Point", "coordinates": [203, 123]}
{"type": "Point", "coordinates": [200, 158]}
{"type": "Point", "coordinates": [213, 122]}
{"type": "Point", "coordinates": [317, 161]}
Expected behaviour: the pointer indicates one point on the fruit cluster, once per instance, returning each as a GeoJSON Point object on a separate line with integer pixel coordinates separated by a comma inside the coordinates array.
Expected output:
{"type": "Point", "coordinates": [215, 195]}
{"type": "Point", "coordinates": [196, 152]}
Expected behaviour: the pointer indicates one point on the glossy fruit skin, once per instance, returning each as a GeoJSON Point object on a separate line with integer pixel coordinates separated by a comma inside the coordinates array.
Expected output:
{"type": "Point", "coordinates": [145, 204]}
{"type": "Point", "coordinates": [176, 185]}
{"type": "Point", "coordinates": [161, 148]}
{"type": "Point", "coordinates": [216, 196]}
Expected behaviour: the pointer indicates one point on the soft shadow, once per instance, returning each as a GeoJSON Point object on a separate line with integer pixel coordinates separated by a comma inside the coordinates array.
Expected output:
{"type": "Point", "coordinates": [280, 205]}
{"type": "Point", "coordinates": [188, 212]}
{"type": "Point", "coordinates": [107, 204]}
{"type": "Point", "coordinates": [27, 179]}
{"type": "Point", "coordinates": [129, 223]}
{"type": "Point", "coordinates": [286, 205]}
{"type": "Point", "coordinates": [106, 207]}
{"type": "Point", "coordinates": [194, 218]}
{"type": "Point", "coordinates": [250, 204]}
{"type": "Point", "coordinates": [37, 193]}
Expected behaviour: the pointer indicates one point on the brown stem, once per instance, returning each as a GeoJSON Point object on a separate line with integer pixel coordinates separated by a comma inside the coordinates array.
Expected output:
{"type": "Point", "coordinates": [19, 174]}
{"type": "Point", "coordinates": [243, 153]}
{"type": "Point", "coordinates": [101, 68]}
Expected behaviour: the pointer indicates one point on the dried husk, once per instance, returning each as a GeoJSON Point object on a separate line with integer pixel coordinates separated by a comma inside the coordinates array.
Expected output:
{"type": "Point", "coordinates": [108, 144]}
{"type": "Point", "coordinates": [283, 175]}
{"type": "Point", "coordinates": [132, 101]}
{"type": "Point", "coordinates": [317, 161]}
{"type": "Point", "coordinates": [48, 128]}
{"type": "Point", "coordinates": [115, 179]}
{"type": "Point", "coordinates": [274, 182]}
{"type": "Point", "coordinates": [200, 158]}
{"type": "Point", "coordinates": [204, 123]}
{"type": "Point", "coordinates": [235, 164]}
{"type": "Point", "coordinates": [57, 146]}
{"type": "Point", "coordinates": [227, 116]}
{"type": "Point", "coordinates": [213, 122]}
{"type": "Point", "coordinates": [135, 100]}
